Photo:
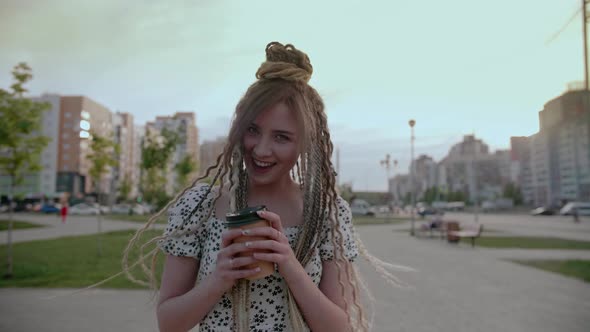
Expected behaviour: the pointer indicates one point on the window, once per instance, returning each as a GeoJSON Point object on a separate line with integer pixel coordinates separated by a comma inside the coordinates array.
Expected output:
{"type": "Point", "coordinates": [66, 145]}
{"type": "Point", "coordinates": [67, 114]}
{"type": "Point", "coordinates": [65, 135]}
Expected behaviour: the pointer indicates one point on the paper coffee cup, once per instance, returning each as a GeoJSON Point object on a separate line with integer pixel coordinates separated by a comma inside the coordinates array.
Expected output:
{"type": "Point", "coordinates": [247, 219]}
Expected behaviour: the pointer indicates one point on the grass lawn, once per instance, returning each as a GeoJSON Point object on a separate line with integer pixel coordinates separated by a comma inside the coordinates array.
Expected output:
{"type": "Point", "coordinates": [363, 220]}
{"type": "Point", "coordinates": [579, 269]}
{"type": "Point", "coordinates": [163, 219]}
{"type": "Point", "coordinates": [17, 224]}
{"type": "Point", "coordinates": [530, 243]}
{"type": "Point", "coordinates": [72, 261]}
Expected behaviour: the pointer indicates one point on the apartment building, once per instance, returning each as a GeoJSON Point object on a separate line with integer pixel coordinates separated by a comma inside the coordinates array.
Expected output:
{"type": "Point", "coordinates": [183, 123]}
{"type": "Point", "coordinates": [209, 151]}
{"type": "Point", "coordinates": [78, 116]}
{"type": "Point", "coordinates": [124, 136]}
{"type": "Point", "coordinates": [558, 169]}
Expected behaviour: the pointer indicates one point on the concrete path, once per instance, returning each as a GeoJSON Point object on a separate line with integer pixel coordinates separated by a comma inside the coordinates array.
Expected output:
{"type": "Point", "coordinates": [74, 226]}
{"type": "Point", "coordinates": [456, 288]}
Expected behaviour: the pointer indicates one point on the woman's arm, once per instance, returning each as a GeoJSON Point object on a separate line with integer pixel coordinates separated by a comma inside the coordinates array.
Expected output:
{"type": "Point", "coordinates": [182, 304]}
{"type": "Point", "coordinates": [321, 307]}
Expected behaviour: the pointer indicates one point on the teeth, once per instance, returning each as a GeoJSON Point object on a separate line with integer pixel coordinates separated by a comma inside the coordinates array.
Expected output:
{"type": "Point", "coordinates": [261, 164]}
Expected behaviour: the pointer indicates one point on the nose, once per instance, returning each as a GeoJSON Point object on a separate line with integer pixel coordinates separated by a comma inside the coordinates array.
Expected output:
{"type": "Point", "coordinates": [262, 148]}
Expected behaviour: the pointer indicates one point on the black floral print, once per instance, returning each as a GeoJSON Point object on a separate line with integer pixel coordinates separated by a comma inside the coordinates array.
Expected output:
{"type": "Point", "coordinates": [268, 310]}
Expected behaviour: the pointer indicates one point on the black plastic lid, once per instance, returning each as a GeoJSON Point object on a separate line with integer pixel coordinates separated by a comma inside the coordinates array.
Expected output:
{"type": "Point", "coordinates": [244, 217]}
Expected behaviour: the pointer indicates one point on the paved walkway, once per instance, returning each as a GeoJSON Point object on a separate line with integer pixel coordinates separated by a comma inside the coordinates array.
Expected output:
{"type": "Point", "coordinates": [456, 288]}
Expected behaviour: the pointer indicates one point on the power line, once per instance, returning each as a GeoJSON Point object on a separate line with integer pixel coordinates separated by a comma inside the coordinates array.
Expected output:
{"type": "Point", "coordinates": [555, 35]}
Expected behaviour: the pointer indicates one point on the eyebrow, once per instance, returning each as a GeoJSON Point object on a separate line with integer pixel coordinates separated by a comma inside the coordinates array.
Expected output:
{"type": "Point", "coordinates": [282, 132]}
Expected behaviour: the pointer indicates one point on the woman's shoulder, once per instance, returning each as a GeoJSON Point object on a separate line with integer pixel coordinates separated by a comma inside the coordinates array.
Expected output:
{"type": "Point", "coordinates": [198, 191]}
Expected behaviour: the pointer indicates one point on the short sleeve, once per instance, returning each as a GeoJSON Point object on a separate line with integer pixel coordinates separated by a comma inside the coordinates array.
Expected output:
{"type": "Point", "coordinates": [185, 229]}
{"type": "Point", "coordinates": [344, 222]}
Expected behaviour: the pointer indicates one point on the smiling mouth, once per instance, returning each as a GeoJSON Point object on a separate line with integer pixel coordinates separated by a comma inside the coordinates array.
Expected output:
{"type": "Point", "coordinates": [262, 165]}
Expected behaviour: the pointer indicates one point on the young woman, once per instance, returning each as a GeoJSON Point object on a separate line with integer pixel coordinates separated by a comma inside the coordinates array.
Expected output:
{"type": "Point", "coordinates": [278, 155]}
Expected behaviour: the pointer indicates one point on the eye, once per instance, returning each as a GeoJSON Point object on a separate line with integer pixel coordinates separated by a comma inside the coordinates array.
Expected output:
{"type": "Point", "coordinates": [282, 138]}
{"type": "Point", "coordinates": [252, 130]}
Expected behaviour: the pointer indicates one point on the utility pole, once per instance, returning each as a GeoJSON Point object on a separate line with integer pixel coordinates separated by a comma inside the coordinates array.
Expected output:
{"type": "Point", "coordinates": [338, 167]}
{"type": "Point", "coordinates": [412, 123]}
{"type": "Point", "coordinates": [585, 29]}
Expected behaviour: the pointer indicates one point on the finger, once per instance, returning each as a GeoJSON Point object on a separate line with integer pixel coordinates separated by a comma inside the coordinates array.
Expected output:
{"type": "Point", "coordinates": [238, 262]}
{"type": "Point", "coordinates": [239, 274]}
{"type": "Point", "coordinates": [265, 244]}
{"type": "Point", "coordinates": [228, 236]}
{"type": "Point", "coordinates": [268, 257]}
{"type": "Point", "coordinates": [268, 232]}
{"type": "Point", "coordinates": [273, 218]}
{"type": "Point", "coordinates": [234, 249]}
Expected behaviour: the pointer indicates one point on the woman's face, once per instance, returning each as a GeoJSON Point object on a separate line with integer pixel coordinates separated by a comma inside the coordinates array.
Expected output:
{"type": "Point", "coordinates": [271, 145]}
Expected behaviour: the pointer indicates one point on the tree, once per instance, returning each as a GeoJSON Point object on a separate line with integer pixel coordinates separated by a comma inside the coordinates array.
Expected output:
{"type": "Point", "coordinates": [20, 141]}
{"type": "Point", "coordinates": [184, 169]}
{"type": "Point", "coordinates": [345, 191]}
{"type": "Point", "coordinates": [102, 157]}
{"type": "Point", "coordinates": [512, 191]}
{"type": "Point", "coordinates": [125, 188]}
{"type": "Point", "coordinates": [432, 194]}
{"type": "Point", "coordinates": [156, 151]}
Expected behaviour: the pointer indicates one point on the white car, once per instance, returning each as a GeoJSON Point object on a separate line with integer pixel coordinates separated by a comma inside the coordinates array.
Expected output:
{"type": "Point", "coordinates": [125, 208]}
{"type": "Point", "coordinates": [583, 209]}
{"type": "Point", "coordinates": [84, 209]}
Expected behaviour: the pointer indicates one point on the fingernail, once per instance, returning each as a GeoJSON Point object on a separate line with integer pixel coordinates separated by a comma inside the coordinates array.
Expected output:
{"type": "Point", "coordinates": [260, 213]}
{"type": "Point", "coordinates": [257, 269]}
{"type": "Point", "coordinates": [247, 244]}
{"type": "Point", "coordinates": [245, 232]}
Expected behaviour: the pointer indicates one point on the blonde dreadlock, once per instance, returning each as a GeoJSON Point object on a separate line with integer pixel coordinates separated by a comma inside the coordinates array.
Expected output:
{"type": "Point", "coordinates": [282, 78]}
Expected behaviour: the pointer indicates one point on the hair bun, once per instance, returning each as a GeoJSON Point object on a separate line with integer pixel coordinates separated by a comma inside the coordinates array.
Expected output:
{"type": "Point", "coordinates": [285, 62]}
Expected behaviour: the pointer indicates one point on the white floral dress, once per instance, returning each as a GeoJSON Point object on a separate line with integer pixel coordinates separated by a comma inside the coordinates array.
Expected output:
{"type": "Point", "coordinates": [268, 310]}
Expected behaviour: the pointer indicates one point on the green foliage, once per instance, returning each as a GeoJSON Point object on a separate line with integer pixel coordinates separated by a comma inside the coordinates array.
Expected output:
{"type": "Point", "coordinates": [125, 188]}
{"type": "Point", "coordinates": [575, 268]}
{"type": "Point", "coordinates": [72, 262]}
{"type": "Point", "coordinates": [18, 225]}
{"type": "Point", "coordinates": [345, 191]}
{"type": "Point", "coordinates": [184, 169]}
{"type": "Point", "coordinates": [525, 242]}
{"type": "Point", "coordinates": [432, 194]}
{"type": "Point", "coordinates": [20, 142]}
{"type": "Point", "coordinates": [156, 152]}
{"type": "Point", "coordinates": [513, 191]}
{"type": "Point", "coordinates": [102, 156]}
{"type": "Point", "coordinates": [456, 196]}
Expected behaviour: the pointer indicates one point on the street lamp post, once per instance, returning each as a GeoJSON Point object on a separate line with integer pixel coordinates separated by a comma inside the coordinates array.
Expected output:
{"type": "Point", "coordinates": [387, 164]}
{"type": "Point", "coordinates": [412, 123]}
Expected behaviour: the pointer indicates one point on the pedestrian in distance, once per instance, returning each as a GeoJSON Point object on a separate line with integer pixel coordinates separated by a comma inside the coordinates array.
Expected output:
{"type": "Point", "coordinates": [278, 155]}
{"type": "Point", "coordinates": [63, 201]}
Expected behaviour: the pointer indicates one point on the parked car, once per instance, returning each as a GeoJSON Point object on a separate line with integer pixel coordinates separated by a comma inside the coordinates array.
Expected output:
{"type": "Point", "coordinates": [542, 211]}
{"type": "Point", "coordinates": [49, 208]}
{"type": "Point", "coordinates": [583, 209]}
{"type": "Point", "coordinates": [84, 209]}
{"type": "Point", "coordinates": [361, 207]}
{"type": "Point", "coordinates": [127, 208]}
{"type": "Point", "coordinates": [427, 211]}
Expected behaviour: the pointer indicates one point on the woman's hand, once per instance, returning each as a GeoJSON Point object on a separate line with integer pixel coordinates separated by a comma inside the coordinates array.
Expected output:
{"type": "Point", "coordinates": [230, 267]}
{"type": "Point", "coordinates": [277, 245]}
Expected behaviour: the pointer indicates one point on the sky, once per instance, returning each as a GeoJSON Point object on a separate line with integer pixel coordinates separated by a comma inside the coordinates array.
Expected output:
{"type": "Point", "coordinates": [458, 67]}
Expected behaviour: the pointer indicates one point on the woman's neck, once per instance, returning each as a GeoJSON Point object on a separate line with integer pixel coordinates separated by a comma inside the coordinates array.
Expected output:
{"type": "Point", "coordinates": [277, 190]}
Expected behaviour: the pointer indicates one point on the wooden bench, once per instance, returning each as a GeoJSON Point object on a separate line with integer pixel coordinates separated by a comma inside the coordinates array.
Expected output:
{"type": "Point", "coordinates": [454, 234]}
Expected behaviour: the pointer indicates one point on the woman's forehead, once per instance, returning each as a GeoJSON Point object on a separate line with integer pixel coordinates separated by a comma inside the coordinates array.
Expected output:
{"type": "Point", "coordinates": [278, 117]}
